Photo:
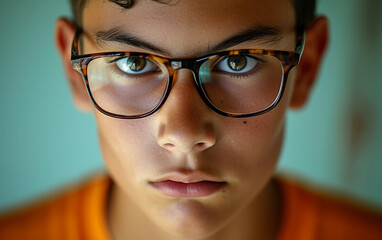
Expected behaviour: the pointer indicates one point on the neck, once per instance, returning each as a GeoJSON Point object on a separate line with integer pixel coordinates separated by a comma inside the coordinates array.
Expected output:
{"type": "Point", "coordinates": [259, 220]}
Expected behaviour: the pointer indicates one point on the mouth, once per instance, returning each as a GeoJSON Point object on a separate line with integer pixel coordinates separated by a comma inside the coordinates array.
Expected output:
{"type": "Point", "coordinates": [188, 190]}
{"type": "Point", "coordinates": [188, 184]}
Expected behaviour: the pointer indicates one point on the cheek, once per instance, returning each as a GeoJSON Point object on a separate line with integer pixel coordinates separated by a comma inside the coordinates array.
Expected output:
{"type": "Point", "coordinates": [254, 147]}
{"type": "Point", "coordinates": [261, 137]}
{"type": "Point", "coordinates": [126, 145]}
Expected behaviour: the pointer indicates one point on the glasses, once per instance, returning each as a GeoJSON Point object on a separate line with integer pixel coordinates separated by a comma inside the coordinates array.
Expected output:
{"type": "Point", "coordinates": [239, 83]}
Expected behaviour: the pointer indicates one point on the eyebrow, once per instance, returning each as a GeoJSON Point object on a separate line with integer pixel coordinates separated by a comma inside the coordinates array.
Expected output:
{"type": "Point", "coordinates": [119, 36]}
{"type": "Point", "coordinates": [263, 34]}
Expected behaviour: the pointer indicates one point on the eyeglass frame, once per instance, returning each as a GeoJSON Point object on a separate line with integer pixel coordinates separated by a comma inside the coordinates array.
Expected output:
{"type": "Point", "coordinates": [288, 59]}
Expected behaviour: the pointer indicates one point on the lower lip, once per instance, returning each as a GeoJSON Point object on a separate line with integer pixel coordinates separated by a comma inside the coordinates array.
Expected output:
{"type": "Point", "coordinates": [187, 190]}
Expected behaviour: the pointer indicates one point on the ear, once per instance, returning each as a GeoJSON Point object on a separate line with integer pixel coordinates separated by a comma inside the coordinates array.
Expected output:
{"type": "Point", "coordinates": [64, 34]}
{"type": "Point", "coordinates": [315, 46]}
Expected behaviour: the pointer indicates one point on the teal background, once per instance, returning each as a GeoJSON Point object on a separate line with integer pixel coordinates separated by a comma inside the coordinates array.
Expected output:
{"type": "Point", "coordinates": [45, 143]}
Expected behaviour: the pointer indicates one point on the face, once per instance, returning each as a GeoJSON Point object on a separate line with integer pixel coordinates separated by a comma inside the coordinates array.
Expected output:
{"type": "Point", "coordinates": [225, 161]}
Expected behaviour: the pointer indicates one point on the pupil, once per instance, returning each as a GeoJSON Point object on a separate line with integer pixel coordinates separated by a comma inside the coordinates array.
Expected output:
{"type": "Point", "coordinates": [237, 63]}
{"type": "Point", "coordinates": [136, 64]}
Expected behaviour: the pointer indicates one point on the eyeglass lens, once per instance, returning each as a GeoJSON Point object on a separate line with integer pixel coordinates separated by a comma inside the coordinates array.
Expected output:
{"type": "Point", "coordinates": [135, 85]}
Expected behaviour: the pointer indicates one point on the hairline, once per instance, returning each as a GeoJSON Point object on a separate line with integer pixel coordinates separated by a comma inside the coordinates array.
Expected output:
{"type": "Point", "coordinates": [304, 13]}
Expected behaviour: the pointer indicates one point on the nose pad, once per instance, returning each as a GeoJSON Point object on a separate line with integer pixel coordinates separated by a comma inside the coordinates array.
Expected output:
{"type": "Point", "coordinates": [185, 124]}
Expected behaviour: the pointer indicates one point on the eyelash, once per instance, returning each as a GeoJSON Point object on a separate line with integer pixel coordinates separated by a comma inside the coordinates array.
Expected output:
{"type": "Point", "coordinates": [257, 69]}
{"type": "Point", "coordinates": [117, 72]}
{"type": "Point", "coordinates": [234, 76]}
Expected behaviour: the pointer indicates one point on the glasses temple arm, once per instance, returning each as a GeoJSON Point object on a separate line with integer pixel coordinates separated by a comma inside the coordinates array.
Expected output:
{"type": "Point", "coordinates": [74, 53]}
{"type": "Point", "coordinates": [300, 44]}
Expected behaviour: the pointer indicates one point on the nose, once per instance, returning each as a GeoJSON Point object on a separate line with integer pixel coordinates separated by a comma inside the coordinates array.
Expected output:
{"type": "Point", "coordinates": [185, 121]}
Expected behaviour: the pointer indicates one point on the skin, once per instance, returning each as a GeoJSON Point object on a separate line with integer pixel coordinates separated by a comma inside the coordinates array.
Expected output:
{"type": "Point", "coordinates": [185, 136]}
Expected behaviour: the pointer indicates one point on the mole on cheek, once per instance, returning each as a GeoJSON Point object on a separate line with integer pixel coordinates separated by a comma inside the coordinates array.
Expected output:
{"type": "Point", "coordinates": [244, 122]}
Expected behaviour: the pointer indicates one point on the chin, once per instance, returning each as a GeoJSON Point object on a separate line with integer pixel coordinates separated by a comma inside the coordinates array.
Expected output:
{"type": "Point", "coordinates": [189, 219]}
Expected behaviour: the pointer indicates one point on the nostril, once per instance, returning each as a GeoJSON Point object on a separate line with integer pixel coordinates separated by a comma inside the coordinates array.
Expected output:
{"type": "Point", "coordinates": [169, 145]}
{"type": "Point", "coordinates": [200, 145]}
{"type": "Point", "coordinates": [176, 138]}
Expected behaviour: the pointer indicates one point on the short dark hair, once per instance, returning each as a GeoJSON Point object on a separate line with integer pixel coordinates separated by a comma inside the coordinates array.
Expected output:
{"type": "Point", "coordinates": [305, 10]}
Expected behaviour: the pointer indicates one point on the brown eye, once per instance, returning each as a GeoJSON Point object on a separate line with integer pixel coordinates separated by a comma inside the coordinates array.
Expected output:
{"type": "Point", "coordinates": [237, 62]}
{"type": "Point", "coordinates": [136, 64]}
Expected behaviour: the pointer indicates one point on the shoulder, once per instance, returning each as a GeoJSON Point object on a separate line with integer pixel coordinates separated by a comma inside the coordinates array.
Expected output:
{"type": "Point", "coordinates": [323, 215]}
{"type": "Point", "coordinates": [61, 216]}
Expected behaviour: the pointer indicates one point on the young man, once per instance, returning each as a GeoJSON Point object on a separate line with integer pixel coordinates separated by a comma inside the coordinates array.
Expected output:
{"type": "Point", "coordinates": [190, 100]}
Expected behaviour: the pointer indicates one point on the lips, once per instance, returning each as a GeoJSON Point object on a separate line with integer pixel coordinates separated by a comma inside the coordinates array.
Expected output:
{"type": "Point", "coordinates": [187, 190]}
{"type": "Point", "coordinates": [188, 185]}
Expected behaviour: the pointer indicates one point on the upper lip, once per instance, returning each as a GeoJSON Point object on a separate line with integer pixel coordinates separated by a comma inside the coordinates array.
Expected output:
{"type": "Point", "coordinates": [188, 177]}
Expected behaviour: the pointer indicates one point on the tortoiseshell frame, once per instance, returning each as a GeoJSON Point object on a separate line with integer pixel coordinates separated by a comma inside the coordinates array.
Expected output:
{"type": "Point", "coordinates": [289, 59]}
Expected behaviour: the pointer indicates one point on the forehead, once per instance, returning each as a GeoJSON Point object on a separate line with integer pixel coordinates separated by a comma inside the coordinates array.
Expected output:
{"type": "Point", "coordinates": [187, 24]}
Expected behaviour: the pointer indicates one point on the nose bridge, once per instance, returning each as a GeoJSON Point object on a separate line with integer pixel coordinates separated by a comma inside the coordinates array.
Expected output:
{"type": "Point", "coordinates": [182, 69]}
{"type": "Point", "coordinates": [184, 122]}
{"type": "Point", "coordinates": [181, 64]}
{"type": "Point", "coordinates": [183, 74]}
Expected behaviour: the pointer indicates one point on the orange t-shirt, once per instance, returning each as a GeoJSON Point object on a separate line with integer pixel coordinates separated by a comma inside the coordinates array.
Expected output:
{"type": "Point", "coordinates": [80, 214]}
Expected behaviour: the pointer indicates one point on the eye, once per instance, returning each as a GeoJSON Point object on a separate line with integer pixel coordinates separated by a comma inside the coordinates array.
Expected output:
{"type": "Point", "coordinates": [237, 64]}
{"type": "Point", "coordinates": [135, 65]}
